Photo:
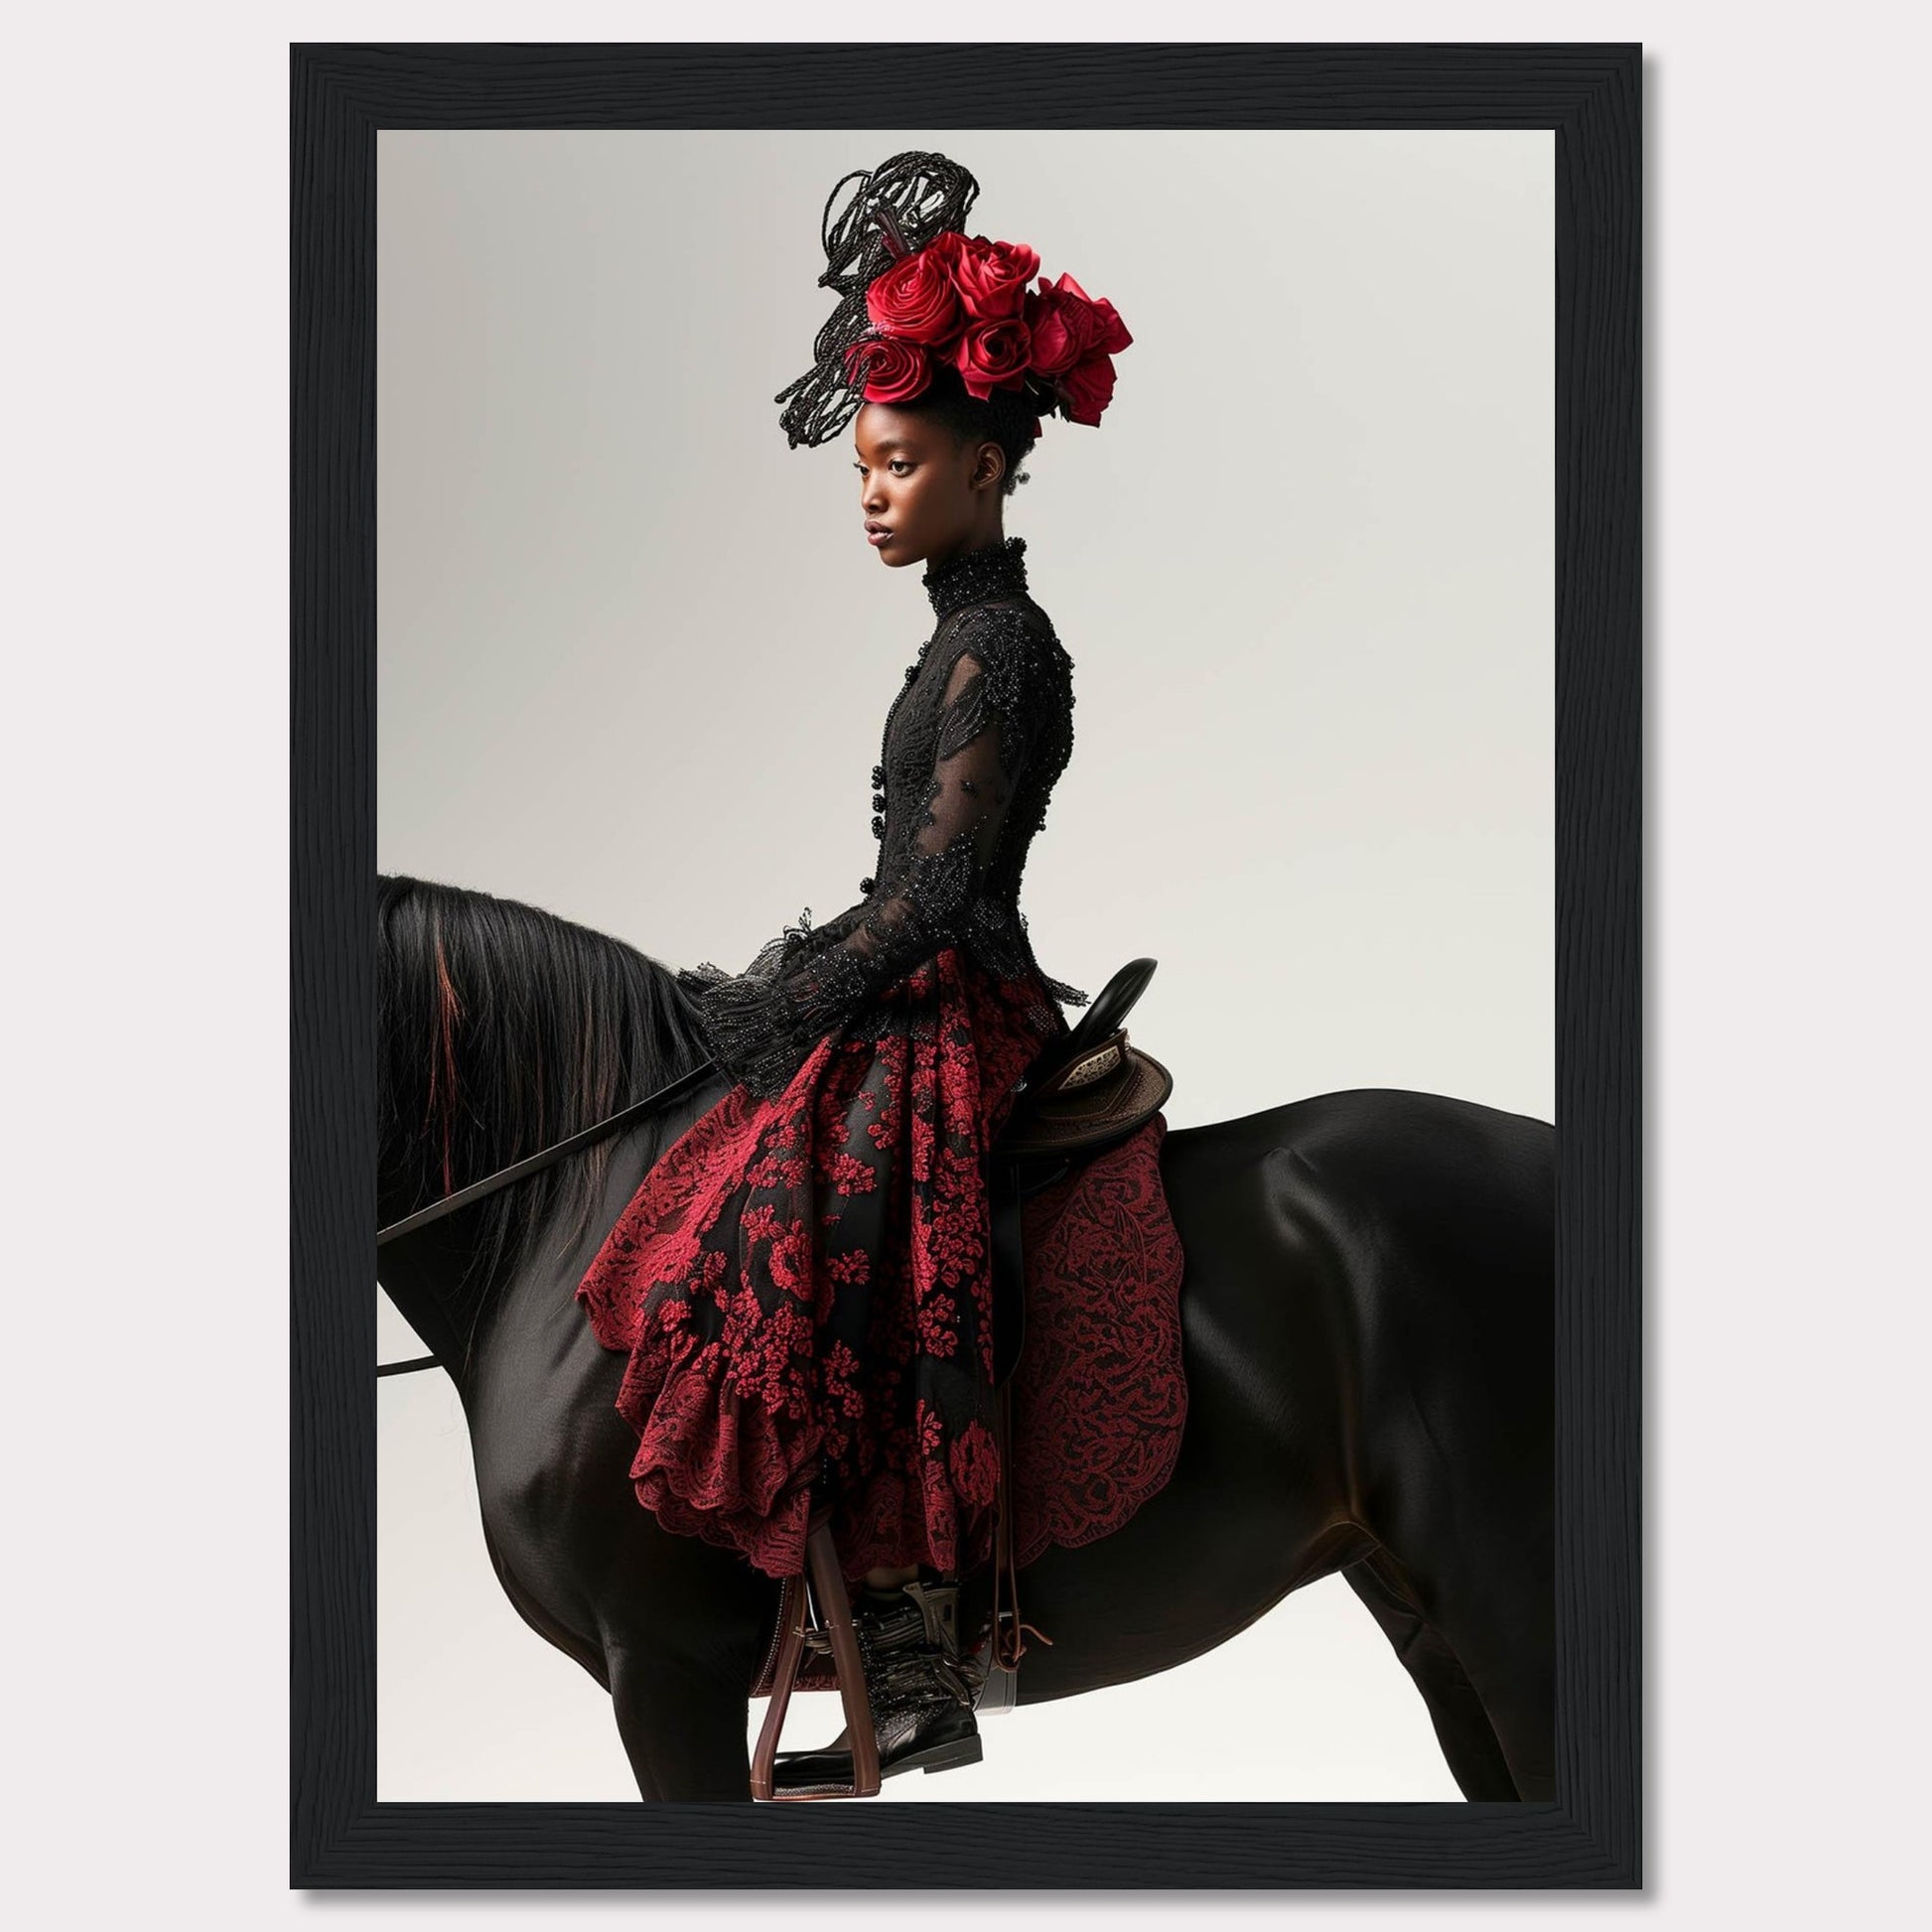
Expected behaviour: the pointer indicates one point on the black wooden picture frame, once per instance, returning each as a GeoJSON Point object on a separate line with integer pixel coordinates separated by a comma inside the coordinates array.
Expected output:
{"type": "Point", "coordinates": [1589, 96]}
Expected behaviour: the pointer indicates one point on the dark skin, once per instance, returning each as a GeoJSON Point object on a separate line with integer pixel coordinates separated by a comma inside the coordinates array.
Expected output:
{"type": "Point", "coordinates": [938, 496]}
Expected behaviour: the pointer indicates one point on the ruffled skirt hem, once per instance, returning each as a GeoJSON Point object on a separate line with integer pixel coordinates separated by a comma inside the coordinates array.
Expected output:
{"type": "Point", "coordinates": [710, 1464]}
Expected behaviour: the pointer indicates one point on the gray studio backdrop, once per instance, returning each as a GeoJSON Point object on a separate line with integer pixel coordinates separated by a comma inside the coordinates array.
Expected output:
{"type": "Point", "coordinates": [636, 655]}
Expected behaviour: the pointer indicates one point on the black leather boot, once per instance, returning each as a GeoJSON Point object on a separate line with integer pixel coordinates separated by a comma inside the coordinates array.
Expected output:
{"type": "Point", "coordinates": [920, 1689]}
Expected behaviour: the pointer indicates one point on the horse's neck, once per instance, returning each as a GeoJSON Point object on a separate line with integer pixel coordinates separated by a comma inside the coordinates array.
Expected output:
{"type": "Point", "coordinates": [424, 1274]}
{"type": "Point", "coordinates": [420, 1274]}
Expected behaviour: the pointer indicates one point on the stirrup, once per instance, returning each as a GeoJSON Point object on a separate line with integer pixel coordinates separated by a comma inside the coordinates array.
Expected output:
{"type": "Point", "coordinates": [922, 1688]}
{"type": "Point", "coordinates": [832, 1630]}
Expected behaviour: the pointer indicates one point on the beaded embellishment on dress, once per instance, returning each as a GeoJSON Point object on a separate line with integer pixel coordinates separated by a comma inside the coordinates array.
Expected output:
{"type": "Point", "coordinates": [973, 745]}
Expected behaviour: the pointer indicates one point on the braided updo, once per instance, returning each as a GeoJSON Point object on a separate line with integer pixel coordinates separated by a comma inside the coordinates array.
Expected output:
{"type": "Point", "coordinates": [924, 193]}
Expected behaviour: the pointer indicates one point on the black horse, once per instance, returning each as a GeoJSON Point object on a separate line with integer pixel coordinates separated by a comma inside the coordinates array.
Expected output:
{"type": "Point", "coordinates": [1368, 1330]}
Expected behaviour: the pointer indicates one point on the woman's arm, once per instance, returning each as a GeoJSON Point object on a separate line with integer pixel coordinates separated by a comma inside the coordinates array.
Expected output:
{"type": "Point", "coordinates": [762, 1025]}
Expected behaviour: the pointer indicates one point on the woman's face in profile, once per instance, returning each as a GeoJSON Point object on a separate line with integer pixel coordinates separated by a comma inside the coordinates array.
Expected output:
{"type": "Point", "coordinates": [915, 484]}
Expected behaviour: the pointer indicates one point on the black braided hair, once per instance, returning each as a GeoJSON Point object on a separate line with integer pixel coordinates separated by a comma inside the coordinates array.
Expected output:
{"type": "Point", "coordinates": [926, 195]}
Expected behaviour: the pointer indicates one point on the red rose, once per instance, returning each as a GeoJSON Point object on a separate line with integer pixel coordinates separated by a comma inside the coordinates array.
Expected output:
{"type": "Point", "coordinates": [991, 276]}
{"type": "Point", "coordinates": [1086, 389]}
{"type": "Point", "coordinates": [1069, 325]}
{"type": "Point", "coordinates": [1113, 336]}
{"type": "Point", "coordinates": [944, 250]}
{"type": "Point", "coordinates": [892, 368]}
{"type": "Point", "coordinates": [991, 355]}
{"type": "Point", "coordinates": [1059, 329]}
{"type": "Point", "coordinates": [916, 298]}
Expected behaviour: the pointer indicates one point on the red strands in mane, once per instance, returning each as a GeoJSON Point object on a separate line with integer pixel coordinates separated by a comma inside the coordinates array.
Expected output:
{"type": "Point", "coordinates": [449, 1011]}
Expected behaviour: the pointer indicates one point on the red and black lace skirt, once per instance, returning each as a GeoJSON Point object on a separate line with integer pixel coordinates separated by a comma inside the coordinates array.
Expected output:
{"type": "Point", "coordinates": [809, 1276]}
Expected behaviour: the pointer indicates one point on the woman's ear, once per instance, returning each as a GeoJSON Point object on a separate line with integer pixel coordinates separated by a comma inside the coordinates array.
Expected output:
{"type": "Point", "coordinates": [989, 466]}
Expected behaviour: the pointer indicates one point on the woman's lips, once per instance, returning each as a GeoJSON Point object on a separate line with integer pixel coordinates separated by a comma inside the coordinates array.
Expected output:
{"type": "Point", "coordinates": [877, 537]}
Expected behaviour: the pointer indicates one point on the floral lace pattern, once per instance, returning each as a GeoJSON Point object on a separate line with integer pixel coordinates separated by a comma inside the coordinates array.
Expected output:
{"type": "Point", "coordinates": [1099, 1396]}
{"type": "Point", "coordinates": [809, 1280]}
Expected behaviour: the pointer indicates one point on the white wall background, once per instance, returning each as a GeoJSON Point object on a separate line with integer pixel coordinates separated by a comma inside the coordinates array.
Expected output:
{"type": "Point", "coordinates": [634, 657]}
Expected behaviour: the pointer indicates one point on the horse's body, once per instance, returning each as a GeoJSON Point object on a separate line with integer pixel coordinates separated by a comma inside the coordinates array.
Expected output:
{"type": "Point", "coordinates": [1368, 1329]}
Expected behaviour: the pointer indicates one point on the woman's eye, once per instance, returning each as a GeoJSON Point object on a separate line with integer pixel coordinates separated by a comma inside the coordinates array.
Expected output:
{"type": "Point", "coordinates": [897, 464]}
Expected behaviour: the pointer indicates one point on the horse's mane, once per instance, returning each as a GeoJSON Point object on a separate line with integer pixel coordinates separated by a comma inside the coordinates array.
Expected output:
{"type": "Point", "coordinates": [501, 1027]}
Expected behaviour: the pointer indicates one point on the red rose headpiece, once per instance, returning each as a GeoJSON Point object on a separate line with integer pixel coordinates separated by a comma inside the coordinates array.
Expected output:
{"type": "Point", "coordinates": [921, 294]}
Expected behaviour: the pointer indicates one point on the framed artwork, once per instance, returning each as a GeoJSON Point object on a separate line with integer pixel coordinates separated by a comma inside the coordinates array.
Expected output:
{"type": "Point", "coordinates": [1311, 1547]}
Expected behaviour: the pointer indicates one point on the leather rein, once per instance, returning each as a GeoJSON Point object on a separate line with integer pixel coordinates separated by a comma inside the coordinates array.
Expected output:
{"type": "Point", "coordinates": [518, 1170]}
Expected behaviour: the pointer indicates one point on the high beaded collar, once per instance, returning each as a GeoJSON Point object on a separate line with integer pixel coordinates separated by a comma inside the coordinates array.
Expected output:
{"type": "Point", "coordinates": [1000, 570]}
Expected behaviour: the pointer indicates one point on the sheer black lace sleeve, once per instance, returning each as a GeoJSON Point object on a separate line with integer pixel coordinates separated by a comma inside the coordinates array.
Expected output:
{"type": "Point", "coordinates": [762, 1025]}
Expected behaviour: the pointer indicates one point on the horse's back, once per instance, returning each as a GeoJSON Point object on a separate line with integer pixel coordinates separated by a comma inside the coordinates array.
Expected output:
{"type": "Point", "coordinates": [1366, 1267]}
{"type": "Point", "coordinates": [1442, 1215]}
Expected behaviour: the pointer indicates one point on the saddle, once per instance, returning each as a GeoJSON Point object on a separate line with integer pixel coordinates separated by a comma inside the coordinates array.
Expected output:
{"type": "Point", "coordinates": [1084, 1093]}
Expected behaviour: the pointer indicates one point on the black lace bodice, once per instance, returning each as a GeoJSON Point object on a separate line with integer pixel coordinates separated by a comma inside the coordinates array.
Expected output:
{"type": "Point", "coordinates": [974, 743]}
